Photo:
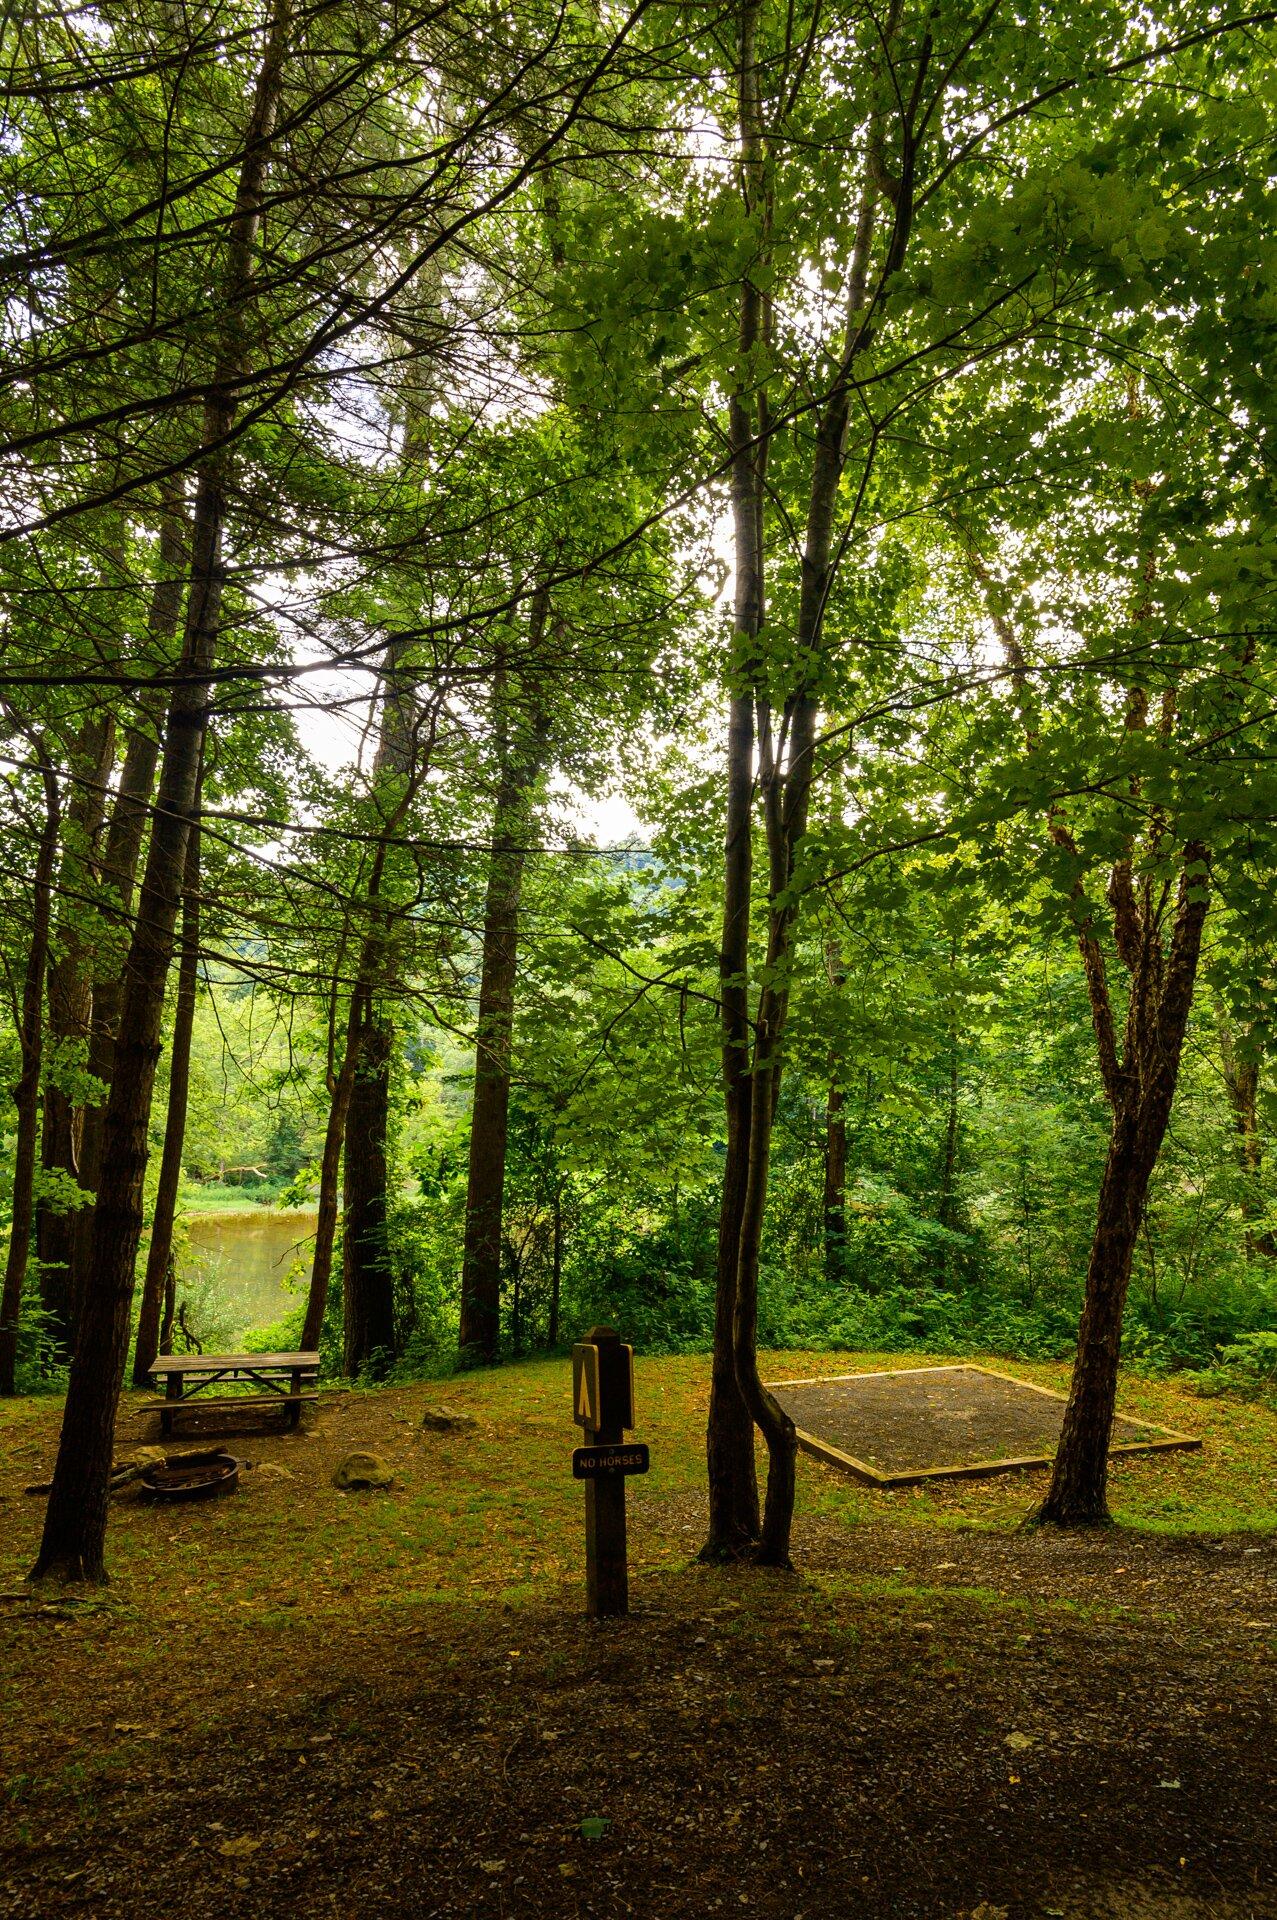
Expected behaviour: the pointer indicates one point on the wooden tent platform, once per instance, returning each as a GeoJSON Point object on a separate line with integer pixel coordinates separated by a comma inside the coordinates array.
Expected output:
{"type": "Point", "coordinates": [897, 1428]}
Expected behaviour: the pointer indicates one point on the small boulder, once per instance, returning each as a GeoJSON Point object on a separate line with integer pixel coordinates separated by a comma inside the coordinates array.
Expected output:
{"type": "Point", "coordinates": [271, 1470]}
{"type": "Point", "coordinates": [147, 1457]}
{"type": "Point", "coordinates": [362, 1470]}
{"type": "Point", "coordinates": [446, 1420]}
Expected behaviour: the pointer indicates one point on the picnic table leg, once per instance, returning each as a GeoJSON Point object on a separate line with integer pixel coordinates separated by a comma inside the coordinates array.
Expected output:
{"type": "Point", "coordinates": [295, 1406]}
{"type": "Point", "coordinates": [172, 1391]}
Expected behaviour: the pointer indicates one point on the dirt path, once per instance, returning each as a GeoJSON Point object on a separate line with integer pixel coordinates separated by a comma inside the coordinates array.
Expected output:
{"type": "Point", "coordinates": [280, 1706]}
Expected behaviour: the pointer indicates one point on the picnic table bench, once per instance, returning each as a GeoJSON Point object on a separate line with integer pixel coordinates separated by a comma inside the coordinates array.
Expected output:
{"type": "Point", "coordinates": [284, 1380]}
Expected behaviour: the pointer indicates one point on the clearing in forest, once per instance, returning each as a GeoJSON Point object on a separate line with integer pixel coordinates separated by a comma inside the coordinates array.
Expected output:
{"type": "Point", "coordinates": [297, 1700]}
{"type": "Point", "coordinates": [926, 1423]}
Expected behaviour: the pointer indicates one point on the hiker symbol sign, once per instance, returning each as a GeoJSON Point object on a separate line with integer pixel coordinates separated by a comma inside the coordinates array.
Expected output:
{"type": "Point", "coordinates": [603, 1385]}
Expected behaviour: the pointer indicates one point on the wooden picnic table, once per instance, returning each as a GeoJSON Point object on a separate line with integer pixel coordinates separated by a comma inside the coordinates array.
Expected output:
{"type": "Point", "coordinates": [279, 1377]}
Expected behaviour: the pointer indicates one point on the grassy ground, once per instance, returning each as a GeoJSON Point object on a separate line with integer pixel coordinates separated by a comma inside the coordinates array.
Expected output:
{"type": "Point", "coordinates": [390, 1703]}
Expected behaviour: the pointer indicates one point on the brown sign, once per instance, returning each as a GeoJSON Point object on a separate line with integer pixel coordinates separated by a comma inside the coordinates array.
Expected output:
{"type": "Point", "coordinates": [603, 1385]}
{"type": "Point", "coordinates": [603, 1403]}
{"type": "Point", "coordinates": [595, 1463]}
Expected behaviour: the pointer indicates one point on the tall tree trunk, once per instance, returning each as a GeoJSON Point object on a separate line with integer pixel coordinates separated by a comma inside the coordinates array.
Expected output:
{"type": "Point", "coordinates": [948, 1206]}
{"type": "Point", "coordinates": [1141, 1089]}
{"type": "Point", "coordinates": [70, 996]}
{"type": "Point", "coordinates": [732, 1478]}
{"type": "Point", "coordinates": [786, 762]}
{"type": "Point", "coordinates": [120, 859]}
{"type": "Point", "coordinates": [480, 1329]}
{"type": "Point", "coordinates": [835, 1199]}
{"type": "Point", "coordinates": [516, 1302]}
{"type": "Point", "coordinates": [159, 1259]}
{"type": "Point", "coordinates": [73, 1545]}
{"type": "Point", "coordinates": [27, 1091]}
{"type": "Point", "coordinates": [1241, 1083]}
{"type": "Point", "coordinates": [368, 1305]}
{"type": "Point", "coordinates": [518, 769]}
{"type": "Point", "coordinates": [1139, 1078]}
{"type": "Point", "coordinates": [556, 1270]}
{"type": "Point", "coordinates": [948, 1211]}
{"type": "Point", "coordinates": [734, 1518]}
{"type": "Point", "coordinates": [341, 1088]}
{"type": "Point", "coordinates": [170, 1307]}
{"type": "Point", "coordinates": [835, 1194]}
{"type": "Point", "coordinates": [1078, 1495]}
{"type": "Point", "coordinates": [359, 1024]}
{"type": "Point", "coordinates": [368, 1278]}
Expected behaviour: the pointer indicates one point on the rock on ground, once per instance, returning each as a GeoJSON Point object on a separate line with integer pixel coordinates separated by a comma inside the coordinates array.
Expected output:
{"type": "Point", "coordinates": [362, 1470]}
{"type": "Point", "coordinates": [446, 1420]}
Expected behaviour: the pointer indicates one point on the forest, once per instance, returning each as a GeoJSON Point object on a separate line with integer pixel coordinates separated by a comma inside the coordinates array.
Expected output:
{"type": "Point", "coordinates": [637, 681]}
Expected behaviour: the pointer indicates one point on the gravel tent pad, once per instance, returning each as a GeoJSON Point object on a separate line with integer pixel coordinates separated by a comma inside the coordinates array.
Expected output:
{"type": "Point", "coordinates": [923, 1423]}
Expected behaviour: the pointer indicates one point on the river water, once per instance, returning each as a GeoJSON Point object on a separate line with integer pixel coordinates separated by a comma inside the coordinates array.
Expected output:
{"type": "Point", "coordinates": [258, 1260]}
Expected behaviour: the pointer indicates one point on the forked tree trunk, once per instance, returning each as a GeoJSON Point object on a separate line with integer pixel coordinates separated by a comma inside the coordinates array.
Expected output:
{"type": "Point", "coordinates": [1078, 1495]}
{"type": "Point", "coordinates": [368, 1285]}
{"type": "Point", "coordinates": [73, 1545]}
{"type": "Point", "coordinates": [732, 1477]}
{"type": "Point", "coordinates": [27, 1091]}
{"type": "Point", "coordinates": [734, 1517]}
{"type": "Point", "coordinates": [1142, 1092]}
{"type": "Point", "coordinates": [769, 1416]}
{"type": "Point", "coordinates": [159, 1259]}
{"type": "Point", "coordinates": [785, 764]}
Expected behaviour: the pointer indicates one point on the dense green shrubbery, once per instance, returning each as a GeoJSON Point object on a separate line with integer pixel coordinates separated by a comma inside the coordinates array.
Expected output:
{"type": "Point", "coordinates": [1247, 1367]}
{"type": "Point", "coordinates": [987, 1256]}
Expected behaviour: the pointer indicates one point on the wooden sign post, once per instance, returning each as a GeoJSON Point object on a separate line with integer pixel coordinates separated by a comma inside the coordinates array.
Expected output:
{"type": "Point", "coordinates": [603, 1403]}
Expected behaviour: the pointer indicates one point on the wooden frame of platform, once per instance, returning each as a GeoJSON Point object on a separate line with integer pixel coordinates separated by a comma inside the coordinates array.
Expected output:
{"type": "Point", "coordinates": [1169, 1440]}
